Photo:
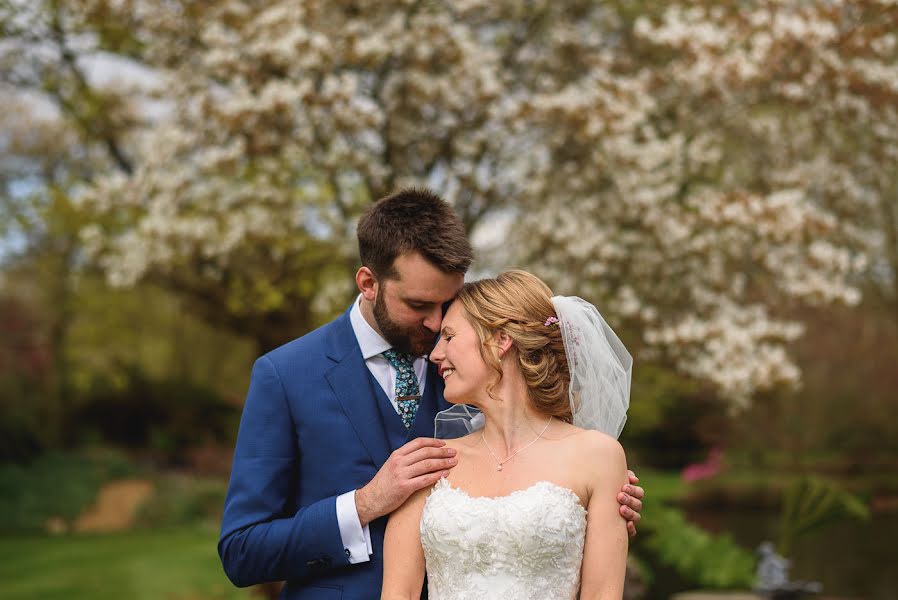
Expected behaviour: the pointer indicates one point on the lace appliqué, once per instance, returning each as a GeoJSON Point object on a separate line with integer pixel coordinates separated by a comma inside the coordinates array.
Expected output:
{"type": "Point", "coordinates": [527, 545]}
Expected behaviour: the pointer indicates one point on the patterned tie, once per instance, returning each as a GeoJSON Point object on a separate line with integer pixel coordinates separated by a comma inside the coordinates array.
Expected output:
{"type": "Point", "coordinates": [407, 391]}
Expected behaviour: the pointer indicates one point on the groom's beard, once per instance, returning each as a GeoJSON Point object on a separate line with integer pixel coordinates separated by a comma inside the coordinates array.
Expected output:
{"type": "Point", "coordinates": [416, 341]}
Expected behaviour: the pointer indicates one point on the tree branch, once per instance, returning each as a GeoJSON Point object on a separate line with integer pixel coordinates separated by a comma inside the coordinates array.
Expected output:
{"type": "Point", "coordinates": [99, 124]}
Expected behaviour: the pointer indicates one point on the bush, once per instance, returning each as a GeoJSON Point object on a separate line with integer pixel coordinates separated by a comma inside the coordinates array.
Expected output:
{"type": "Point", "coordinates": [55, 485]}
{"type": "Point", "coordinates": [671, 421]}
{"type": "Point", "coordinates": [20, 441]}
{"type": "Point", "coordinates": [698, 558]}
{"type": "Point", "coordinates": [25, 381]}
{"type": "Point", "coordinates": [180, 500]}
{"type": "Point", "coordinates": [701, 558]}
{"type": "Point", "coordinates": [166, 416]}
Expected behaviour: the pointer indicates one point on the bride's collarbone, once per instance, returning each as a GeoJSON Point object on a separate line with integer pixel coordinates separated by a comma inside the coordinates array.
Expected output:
{"type": "Point", "coordinates": [549, 456]}
{"type": "Point", "coordinates": [478, 476]}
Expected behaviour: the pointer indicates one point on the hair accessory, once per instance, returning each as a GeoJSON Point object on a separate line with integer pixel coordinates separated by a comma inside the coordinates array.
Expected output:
{"type": "Point", "coordinates": [551, 322]}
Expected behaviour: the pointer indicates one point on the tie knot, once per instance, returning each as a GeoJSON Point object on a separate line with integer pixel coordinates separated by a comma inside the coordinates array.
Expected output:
{"type": "Point", "coordinates": [398, 359]}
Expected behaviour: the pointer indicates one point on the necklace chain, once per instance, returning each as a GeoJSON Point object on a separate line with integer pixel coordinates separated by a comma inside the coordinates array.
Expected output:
{"type": "Point", "coordinates": [499, 463]}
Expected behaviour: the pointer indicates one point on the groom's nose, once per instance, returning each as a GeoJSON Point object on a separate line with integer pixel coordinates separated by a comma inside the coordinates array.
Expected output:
{"type": "Point", "coordinates": [433, 319]}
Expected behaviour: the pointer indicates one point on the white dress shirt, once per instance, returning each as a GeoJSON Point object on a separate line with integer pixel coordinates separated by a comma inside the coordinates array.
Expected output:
{"type": "Point", "coordinates": [357, 539]}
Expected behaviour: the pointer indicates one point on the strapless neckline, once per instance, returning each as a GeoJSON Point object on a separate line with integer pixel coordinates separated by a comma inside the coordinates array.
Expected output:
{"type": "Point", "coordinates": [543, 483]}
{"type": "Point", "coordinates": [524, 545]}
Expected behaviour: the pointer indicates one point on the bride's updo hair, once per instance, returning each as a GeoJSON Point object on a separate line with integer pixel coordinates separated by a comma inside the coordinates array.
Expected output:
{"type": "Point", "coordinates": [518, 304]}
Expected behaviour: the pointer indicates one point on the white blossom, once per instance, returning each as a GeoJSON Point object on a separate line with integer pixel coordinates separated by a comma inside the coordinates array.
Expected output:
{"type": "Point", "coordinates": [689, 171]}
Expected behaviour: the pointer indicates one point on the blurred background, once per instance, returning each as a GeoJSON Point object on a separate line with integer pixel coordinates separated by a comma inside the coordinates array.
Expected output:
{"type": "Point", "coordinates": [180, 182]}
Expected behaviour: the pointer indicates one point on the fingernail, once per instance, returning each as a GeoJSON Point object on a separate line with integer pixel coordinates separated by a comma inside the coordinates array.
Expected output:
{"type": "Point", "coordinates": [453, 461]}
{"type": "Point", "coordinates": [451, 451]}
{"type": "Point", "coordinates": [445, 473]}
{"type": "Point", "coordinates": [624, 497]}
{"type": "Point", "coordinates": [628, 489]}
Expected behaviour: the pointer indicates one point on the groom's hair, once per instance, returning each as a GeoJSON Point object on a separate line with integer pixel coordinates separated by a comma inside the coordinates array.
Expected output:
{"type": "Point", "coordinates": [413, 220]}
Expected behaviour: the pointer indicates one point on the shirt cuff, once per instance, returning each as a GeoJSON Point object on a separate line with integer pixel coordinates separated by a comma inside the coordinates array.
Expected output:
{"type": "Point", "coordinates": [356, 539]}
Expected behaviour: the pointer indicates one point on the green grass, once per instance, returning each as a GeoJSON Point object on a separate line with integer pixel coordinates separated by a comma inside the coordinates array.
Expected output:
{"type": "Point", "coordinates": [176, 564]}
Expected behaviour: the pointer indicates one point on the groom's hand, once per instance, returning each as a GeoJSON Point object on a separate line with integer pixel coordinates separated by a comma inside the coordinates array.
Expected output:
{"type": "Point", "coordinates": [630, 498]}
{"type": "Point", "coordinates": [416, 465]}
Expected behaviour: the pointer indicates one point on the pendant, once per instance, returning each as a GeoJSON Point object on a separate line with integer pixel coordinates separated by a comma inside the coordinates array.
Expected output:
{"type": "Point", "coordinates": [499, 468]}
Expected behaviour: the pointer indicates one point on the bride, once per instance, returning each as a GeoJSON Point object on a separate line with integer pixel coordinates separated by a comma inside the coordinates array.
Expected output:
{"type": "Point", "coordinates": [530, 510]}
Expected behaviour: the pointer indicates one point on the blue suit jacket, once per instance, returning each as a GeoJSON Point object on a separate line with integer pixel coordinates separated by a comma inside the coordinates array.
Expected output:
{"type": "Point", "coordinates": [312, 428]}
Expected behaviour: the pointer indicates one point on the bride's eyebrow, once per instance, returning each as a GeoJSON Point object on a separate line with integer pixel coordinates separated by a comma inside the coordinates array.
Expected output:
{"type": "Point", "coordinates": [446, 330]}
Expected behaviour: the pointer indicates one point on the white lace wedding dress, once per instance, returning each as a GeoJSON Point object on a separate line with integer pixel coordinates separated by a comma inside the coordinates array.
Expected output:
{"type": "Point", "coordinates": [527, 545]}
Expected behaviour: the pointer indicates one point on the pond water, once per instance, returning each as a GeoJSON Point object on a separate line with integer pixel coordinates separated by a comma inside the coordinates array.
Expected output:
{"type": "Point", "coordinates": [852, 559]}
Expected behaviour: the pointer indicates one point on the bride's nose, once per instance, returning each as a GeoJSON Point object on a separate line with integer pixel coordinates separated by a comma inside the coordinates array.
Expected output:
{"type": "Point", "coordinates": [437, 355]}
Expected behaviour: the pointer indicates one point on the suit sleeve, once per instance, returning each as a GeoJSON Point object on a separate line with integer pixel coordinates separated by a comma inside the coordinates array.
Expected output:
{"type": "Point", "coordinates": [262, 539]}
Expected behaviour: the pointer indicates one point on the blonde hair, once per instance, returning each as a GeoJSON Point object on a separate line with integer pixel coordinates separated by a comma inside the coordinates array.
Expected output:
{"type": "Point", "coordinates": [518, 304]}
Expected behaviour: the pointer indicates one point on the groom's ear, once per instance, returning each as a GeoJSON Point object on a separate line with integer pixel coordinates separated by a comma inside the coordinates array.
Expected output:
{"type": "Point", "coordinates": [367, 283]}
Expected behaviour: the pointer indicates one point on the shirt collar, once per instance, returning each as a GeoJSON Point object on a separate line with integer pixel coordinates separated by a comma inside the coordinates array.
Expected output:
{"type": "Point", "coordinates": [370, 342]}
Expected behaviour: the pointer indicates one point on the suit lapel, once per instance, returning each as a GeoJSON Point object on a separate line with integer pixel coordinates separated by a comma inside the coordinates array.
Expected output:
{"type": "Point", "coordinates": [349, 379]}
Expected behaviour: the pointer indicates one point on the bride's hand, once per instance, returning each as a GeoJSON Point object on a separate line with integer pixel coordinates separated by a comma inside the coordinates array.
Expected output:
{"type": "Point", "coordinates": [630, 499]}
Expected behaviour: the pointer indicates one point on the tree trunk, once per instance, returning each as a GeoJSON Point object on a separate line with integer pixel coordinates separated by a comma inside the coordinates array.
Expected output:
{"type": "Point", "coordinates": [59, 305]}
{"type": "Point", "coordinates": [889, 208]}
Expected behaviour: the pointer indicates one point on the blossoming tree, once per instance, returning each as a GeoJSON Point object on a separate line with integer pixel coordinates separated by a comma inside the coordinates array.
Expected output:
{"type": "Point", "coordinates": [755, 177]}
{"type": "Point", "coordinates": [695, 169]}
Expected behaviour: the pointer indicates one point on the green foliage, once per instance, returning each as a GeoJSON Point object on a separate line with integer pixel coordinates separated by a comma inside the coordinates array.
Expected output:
{"type": "Point", "coordinates": [668, 418]}
{"type": "Point", "coordinates": [120, 348]}
{"type": "Point", "coordinates": [19, 439]}
{"type": "Point", "coordinates": [659, 390]}
{"type": "Point", "coordinates": [181, 501]}
{"type": "Point", "coordinates": [665, 487]}
{"type": "Point", "coordinates": [706, 560]}
{"type": "Point", "coordinates": [140, 565]}
{"type": "Point", "coordinates": [54, 485]}
{"type": "Point", "coordinates": [24, 373]}
{"type": "Point", "coordinates": [167, 416]}
{"type": "Point", "coordinates": [150, 330]}
{"type": "Point", "coordinates": [703, 559]}
{"type": "Point", "coordinates": [812, 503]}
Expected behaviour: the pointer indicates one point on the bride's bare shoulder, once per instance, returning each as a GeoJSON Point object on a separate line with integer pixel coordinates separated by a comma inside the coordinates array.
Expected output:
{"type": "Point", "coordinates": [597, 449]}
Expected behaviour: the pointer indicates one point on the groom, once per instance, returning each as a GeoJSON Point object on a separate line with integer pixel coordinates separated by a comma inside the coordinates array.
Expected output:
{"type": "Point", "coordinates": [335, 432]}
